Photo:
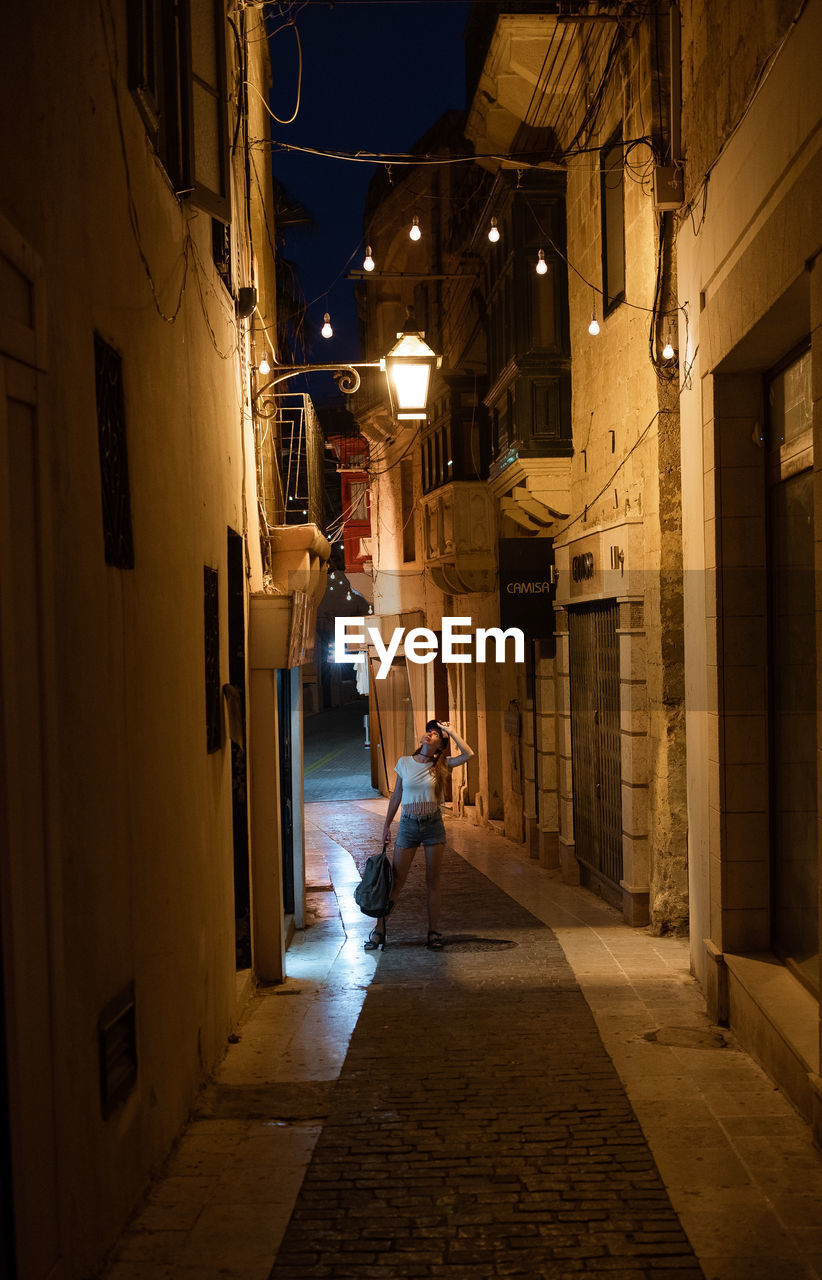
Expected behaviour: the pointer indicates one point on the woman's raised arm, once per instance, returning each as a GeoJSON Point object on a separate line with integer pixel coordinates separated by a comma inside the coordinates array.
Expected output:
{"type": "Point", "coordinates": [465, 751]}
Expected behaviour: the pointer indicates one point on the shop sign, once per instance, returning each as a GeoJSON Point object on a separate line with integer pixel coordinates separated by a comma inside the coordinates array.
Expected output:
{"type": "Point", "coordinates": [526, 586]}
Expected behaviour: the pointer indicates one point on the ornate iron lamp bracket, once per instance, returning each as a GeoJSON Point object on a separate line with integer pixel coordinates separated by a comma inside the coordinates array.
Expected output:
{"type": "Point", "coordinates": [346, 377]}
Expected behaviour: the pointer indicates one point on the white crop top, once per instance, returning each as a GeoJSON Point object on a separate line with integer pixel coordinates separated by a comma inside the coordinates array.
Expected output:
{"type": "Point", "coordinates": [419, 793]}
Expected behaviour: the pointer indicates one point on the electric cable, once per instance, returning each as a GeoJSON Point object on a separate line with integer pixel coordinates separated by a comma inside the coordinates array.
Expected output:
{"type": "Point", "coordinates": [685, 385]}
{"type": "Point", "coordinates": [765, 71]}
{"type": "Point", "coordinates": [293, 117]}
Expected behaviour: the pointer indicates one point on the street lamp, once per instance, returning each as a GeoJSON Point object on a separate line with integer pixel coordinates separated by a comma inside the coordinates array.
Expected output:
{"type": "Point", "coordinates": [407, 368]}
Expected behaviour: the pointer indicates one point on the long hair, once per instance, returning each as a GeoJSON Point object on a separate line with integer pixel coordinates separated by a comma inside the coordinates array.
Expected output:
{"type": "Point", "coordinates": [439, 766]}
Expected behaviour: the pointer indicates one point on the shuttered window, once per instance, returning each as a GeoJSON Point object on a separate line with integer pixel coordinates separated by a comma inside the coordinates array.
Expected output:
{"type": "Point", "coordinates": [178, 78]}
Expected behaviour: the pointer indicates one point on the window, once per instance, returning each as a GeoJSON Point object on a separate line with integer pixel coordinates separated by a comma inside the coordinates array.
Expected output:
{"type": "Point", "coordinates": [209, 139]}
{"type": "Point", "coordinates": [221, 251]}
{"type": "Point", "coordinates": [357, 501]}
{"type": "Point", "coordinates": [409, 547]}
{"type": "Point", "coordinates": [118, 542]}
{"type": "Point", "coordinates": [177, 76]}
{"type": "Point", "coordinates": [211, 629]}
{"type": "Point", "coordinates": [612, 199]}
{"type": "Point", "coordinates": [437, 462]}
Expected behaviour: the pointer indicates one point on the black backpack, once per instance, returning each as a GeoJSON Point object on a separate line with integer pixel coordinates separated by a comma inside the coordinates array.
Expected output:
{"type": "Point", "coordinates": [373, 894]}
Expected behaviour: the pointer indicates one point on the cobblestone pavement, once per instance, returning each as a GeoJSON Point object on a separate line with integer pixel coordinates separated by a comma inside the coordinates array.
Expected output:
{"type": "Point", "coordinates": [476, 1112]}
{"type": "Point", "coordinates": [478, 1128]}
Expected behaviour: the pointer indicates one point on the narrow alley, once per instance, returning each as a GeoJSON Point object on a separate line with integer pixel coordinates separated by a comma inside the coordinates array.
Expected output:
{"type": "Point", "coordinates": [411, 409]}
{"type": "Point", "coordinates": [544, 1097]}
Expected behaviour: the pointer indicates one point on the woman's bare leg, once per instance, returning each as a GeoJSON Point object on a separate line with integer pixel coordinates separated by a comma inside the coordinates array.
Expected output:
{"type": "Point", "coordinates": [433, 869]}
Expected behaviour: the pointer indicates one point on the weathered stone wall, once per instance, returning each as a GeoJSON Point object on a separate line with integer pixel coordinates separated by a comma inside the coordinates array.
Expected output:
{"type": "Point", "coordinates": [725, 48]}
{"type": "Point", "coordinates": [626, 455]}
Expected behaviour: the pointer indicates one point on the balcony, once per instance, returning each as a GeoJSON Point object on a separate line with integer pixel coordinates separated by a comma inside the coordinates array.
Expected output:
{"type": "Point", "coordinates": [459, 526]}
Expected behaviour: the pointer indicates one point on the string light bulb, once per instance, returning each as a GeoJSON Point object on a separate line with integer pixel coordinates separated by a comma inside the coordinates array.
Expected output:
{"type": "Point", "coordinates": [542, 265]}
{"type": "Point", "coordinates": [668, 352]}
{"type": "Point", "coordinates": [415, 231]}
{"type": "Point", "coordinates": [368, 261]}
{"type": "Point", "coordinates": [326, 330]}
{"type": "Point", "coordinates": [593, 327]}
{"type": "Point", "coordinates": [493, 231]}
{"type": "Point", "coordinates": [264, 367]}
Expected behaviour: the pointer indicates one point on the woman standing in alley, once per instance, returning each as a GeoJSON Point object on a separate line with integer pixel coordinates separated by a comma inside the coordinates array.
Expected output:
{"type": "Point", "coordinates": [420, 789]}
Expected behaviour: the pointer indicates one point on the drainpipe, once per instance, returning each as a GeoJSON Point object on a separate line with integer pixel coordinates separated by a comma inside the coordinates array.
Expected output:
{"type": "Point", "coordinates": [675, 32]}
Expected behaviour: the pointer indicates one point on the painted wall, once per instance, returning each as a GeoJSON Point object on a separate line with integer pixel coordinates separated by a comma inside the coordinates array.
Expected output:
{"type": "Point", "coordinates": [139, 858]}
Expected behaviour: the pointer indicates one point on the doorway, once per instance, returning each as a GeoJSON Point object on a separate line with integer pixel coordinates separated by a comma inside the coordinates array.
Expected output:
{"type": "Point", "coordinates": [284, 683]}
{"type": "Point", "coordinates": [596, 746]}
{"type": "Point", "coordinates": [28, 1156]}
{"type": "Point", "coordinates": [239, 789]}
{"type": "Point", "coordinates": [792, 671]}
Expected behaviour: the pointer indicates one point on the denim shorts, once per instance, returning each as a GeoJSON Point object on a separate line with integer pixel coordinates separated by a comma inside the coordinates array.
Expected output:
{"type": "Point", "coordinates": [414, 831]}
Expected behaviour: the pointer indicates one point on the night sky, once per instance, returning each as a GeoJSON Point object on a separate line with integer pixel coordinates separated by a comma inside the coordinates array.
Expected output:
{"type": "Point", "coordinates": [376, 75]}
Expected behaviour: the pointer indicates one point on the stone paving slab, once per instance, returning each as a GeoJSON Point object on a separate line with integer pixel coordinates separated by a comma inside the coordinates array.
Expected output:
{"type": "Point", "coordinates": [336, 760]}
{"type": "Point", "coordinates": [479, 1128]}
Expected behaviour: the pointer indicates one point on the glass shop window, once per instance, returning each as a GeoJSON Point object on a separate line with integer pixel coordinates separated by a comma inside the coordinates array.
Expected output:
{"type": "Point", "coordinates": [792, 675]}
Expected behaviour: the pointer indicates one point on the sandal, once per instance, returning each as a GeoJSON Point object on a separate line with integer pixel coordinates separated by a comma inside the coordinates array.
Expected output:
{"type": "Point", "coordinates": [434, 942]}
{"type": "Point", "coordinates": [375, 940]}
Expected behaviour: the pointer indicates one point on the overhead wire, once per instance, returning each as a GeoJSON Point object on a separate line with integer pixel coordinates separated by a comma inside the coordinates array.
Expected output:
{"type": "Point", "coordinates": [250, 85]}
{"type": "Point", "coordinates": [581, 515]}
{"type": "Point", "coordinates": [635, 306]}
{"type": "Point", "coordinates": [764, 72]}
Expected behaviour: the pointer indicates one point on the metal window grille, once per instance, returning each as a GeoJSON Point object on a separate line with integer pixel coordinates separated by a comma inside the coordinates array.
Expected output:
{"type": "Point", "coordinates": [118, 541]}
{"type": "Point", "coordinates": [221, 251]}
{"type": "Point", "coordinates": [211, 619]}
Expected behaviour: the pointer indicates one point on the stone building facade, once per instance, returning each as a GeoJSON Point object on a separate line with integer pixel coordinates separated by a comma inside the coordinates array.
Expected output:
{"type": "Point", "coordinates": [751, 305]}
{"type": "Point", "coordinates": [141, 661]}
{"type": "Point", "coordinates": [548, 443]}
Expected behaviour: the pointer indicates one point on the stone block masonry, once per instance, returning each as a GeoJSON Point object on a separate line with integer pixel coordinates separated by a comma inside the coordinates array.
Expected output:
{"type": "Point", "coordinates": [479, 1128]}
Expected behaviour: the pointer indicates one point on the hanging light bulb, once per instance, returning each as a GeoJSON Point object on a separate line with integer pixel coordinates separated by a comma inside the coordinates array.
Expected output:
{"type": "Point", "coordinates": [542, 265]}
{"type": "Point", "coordinates": [415, 232]}
{"type": "Point", "coordinates": [264, 367]}
{"type": "Point", "coordinates": [348, 595]}
{"type": "Point", "coordinates": [593, 327]}
{"type": "Point", "coordinates": [332, 576]}
{"type": "Point", "coordinates": [493, 231]}
{"type": "Point", "coordinates": [326, 330]}
{"type": "Point", "coordinates": [668, 352]}
{"type": "Point", "coordinates": [368, 261]}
